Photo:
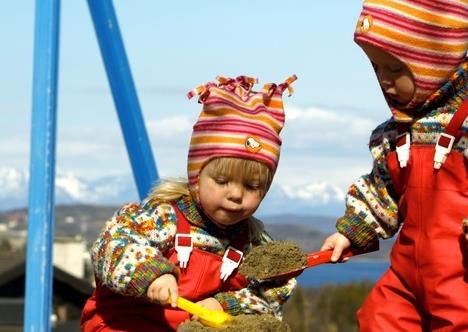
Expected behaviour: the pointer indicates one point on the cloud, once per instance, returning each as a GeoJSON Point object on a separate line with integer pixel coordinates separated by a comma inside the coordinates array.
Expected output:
{"type": "Point", "coordinates": [170, 127]}
{"type": "Point", "coordinates": [326, 125]}
{"type": "Point", "coordinates": [78, 148]}
{"type": "Point", "coordinates": [12, 182]}
{"type": "Point", "coordinates": [14, 145]}
{"type": "Point", "coordinates": [319, 191]}
{"type": "Point", "coordinates": [319, 144]}
{"type": "Point", "coordinates": [71, 188]}
{"type": "Point", "coordinates": [324, 144]}
{"type": "Point", "coordinates": [156, 90]}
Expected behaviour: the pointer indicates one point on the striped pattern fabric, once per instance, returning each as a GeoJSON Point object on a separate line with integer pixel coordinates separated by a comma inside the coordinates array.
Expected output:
{"type": "Point", "coordinates": [429, 36]}
{"type": "Point", "coordinates": [237, 122]}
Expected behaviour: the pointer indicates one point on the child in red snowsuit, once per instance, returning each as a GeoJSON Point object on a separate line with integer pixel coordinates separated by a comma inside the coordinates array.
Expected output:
{"type": "Point", "coordinates": [419, 181]}
{"type": "Point", "coordinates": [187, 239]}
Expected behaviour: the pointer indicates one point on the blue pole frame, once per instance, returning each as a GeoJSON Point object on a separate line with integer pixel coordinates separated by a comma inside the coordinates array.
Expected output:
{"type": "Point", "coordinates": [125, 97]}
{"type": "Point", "coordinates": [39, 268]}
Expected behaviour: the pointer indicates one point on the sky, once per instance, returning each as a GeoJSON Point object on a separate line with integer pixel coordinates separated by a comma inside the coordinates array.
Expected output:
{"type": "Point", "coordinates": [172, 46]}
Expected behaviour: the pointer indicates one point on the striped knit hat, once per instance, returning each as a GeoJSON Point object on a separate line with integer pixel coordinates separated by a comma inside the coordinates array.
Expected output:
{"type": "Point", "coordinates": [429, 36]}
{"type": "Point", "coordinates": [237, 122]}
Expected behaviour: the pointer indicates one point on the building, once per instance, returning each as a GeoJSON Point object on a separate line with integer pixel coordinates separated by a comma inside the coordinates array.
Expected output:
{"type": "Point", "coordinates": [69, 295]}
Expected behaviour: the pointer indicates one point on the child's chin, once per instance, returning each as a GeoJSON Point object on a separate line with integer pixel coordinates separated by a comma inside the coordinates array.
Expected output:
{"type": "Point", "coordinates": [395, 103]}
{"type": "Point", "coordinates": [224, 223]}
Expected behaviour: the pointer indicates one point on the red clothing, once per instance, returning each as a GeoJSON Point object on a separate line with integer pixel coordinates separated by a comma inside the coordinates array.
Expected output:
{"type": "Point", "coordinates": [426, 286]}
{"type": "Point", "coordinates": [109, 311]}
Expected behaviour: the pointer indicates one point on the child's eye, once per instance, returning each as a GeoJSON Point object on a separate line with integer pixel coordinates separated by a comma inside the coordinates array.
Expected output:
{"type": "Point", "coordinates": [221, 180]}
{"type": "Point", "coordinates": [252, 186]}
{"type": "Point", "coordinates": [396, 69]}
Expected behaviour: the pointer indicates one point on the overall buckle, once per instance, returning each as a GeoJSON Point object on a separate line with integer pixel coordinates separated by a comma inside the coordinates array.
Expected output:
{"type": "Point", "coordinates": [183, 247]}
{"type": "Point", "coordinates": [403, 148]}
{"type": "Point", "coordinates": [442, 149]}
{"type": "Point", "coordinates": [231, 260]}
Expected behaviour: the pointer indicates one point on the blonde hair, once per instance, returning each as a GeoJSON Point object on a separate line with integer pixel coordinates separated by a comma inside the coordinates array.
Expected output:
{"type": "Point", "coordinates": [171, 189]}
{"type": "Point", "coordinates": [247, 168]}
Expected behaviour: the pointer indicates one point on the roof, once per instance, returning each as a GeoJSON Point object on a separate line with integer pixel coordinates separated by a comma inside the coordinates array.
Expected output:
{"type": "Point", "coordinates": [65, 285]}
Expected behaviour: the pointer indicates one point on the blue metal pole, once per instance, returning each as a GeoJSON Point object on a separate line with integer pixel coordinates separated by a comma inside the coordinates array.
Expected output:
{"type": "Point", "coordinates": [39, 266]}
{"type": "Point", "coordinates": [125, 97]}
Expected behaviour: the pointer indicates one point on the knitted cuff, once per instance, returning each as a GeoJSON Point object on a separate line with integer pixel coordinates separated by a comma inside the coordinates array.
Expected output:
{"type": "Point", "coordinates": [147, 272]}
{"type": "Point", "coordinates": [357, 231]}
{"type": "Point", "coordinates": [229, 302]}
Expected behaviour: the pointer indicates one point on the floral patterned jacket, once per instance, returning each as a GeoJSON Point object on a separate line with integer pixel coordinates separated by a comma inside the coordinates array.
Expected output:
{"type": "Point", "coordinates": [130, 253]}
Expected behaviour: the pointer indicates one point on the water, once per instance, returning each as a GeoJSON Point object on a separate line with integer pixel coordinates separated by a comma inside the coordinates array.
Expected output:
{"type": "Point", "coordinates": [352, 271]}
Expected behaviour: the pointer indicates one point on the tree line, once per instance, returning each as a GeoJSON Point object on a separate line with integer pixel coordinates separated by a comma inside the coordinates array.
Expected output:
{"type": "Point", "coordinates": [330, 308]}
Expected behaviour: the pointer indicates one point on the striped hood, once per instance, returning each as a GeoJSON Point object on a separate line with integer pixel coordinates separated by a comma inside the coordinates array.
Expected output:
{"type": "Point", "coordinates": [237, 122]}
{"type": "Point", "coordinates": [429, 36]}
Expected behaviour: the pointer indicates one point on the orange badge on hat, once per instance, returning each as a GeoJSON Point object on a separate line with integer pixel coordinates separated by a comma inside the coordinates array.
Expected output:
{"type": "Point", "coordinates": [253, 144]}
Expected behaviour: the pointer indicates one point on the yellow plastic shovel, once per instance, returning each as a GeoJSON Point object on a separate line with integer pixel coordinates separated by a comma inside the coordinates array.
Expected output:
{"type": "Point", "coordinates": [212, 318]}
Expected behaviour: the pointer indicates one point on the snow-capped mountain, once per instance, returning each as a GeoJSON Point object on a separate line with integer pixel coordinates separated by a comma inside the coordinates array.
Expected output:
{"type": "Point", "coordinates": [69, 189]}
{"type": "Point", "coordinates": [312, 198]}
{"type": "Point", "coordinates": [308, 199]}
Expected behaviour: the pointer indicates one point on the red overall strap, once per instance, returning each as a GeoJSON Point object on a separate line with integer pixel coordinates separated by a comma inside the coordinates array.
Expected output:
{"type": "Point", "coordinates": [403, 143]}
{"type": "Point", "coordinates": [448, 138]}
{"type": "Point", "coordinates": [454, 126]}
{"type": "Point", "coordinates": [402, 127]}
{"type": "Point", "coordinates": [242, 238]}
{"type": "Point", "coordinates": [183, 226]}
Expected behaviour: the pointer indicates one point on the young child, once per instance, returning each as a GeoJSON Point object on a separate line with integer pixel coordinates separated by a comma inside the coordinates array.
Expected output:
{"type": "Point", "coordinates": [419, 179]}
{"type": "Point", "coordinates": [187, 239]}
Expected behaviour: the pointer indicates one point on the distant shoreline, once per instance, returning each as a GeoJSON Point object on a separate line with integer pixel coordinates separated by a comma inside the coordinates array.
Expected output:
{"type": "Point", "coordinates": [341, 273]}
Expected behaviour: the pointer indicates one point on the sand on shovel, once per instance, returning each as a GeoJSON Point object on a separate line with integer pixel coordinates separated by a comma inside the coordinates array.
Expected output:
{"type": "Point", "coordinates": [240, 323]}
{"type": "Point", "coordinates": [261, 262]}
{"type": "Point", "coordinates": [272, 258]}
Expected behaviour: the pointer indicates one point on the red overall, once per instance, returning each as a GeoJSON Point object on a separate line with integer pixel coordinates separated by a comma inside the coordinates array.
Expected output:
{"type": "Point", "coordinates": [426, 286]}
{"type": "Point", "coordinates": [109, 311]}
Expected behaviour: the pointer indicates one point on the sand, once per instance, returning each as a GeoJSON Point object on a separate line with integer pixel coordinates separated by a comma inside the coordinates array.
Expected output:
{"type": "Point", "coordinates": [272, 258]}
{"type": "Point", "coordinates": [241, 323]}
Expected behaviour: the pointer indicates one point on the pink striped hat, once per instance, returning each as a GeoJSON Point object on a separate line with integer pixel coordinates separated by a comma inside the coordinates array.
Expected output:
{"type": "Point", "coordinates": [237, 122]}
{"type": "Point", "coordinates": [429, 36]}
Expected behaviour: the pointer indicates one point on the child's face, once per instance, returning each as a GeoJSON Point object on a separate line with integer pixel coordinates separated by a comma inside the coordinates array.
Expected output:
{"type": "Point", "coordinates": [393, 75]}
{"type": "Point", "coordinates": [228, 198]}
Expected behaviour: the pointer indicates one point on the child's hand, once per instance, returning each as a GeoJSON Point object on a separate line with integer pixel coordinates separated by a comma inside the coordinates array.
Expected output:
{"type": "Point", "coordinates": [338, 242]}
{"type": "Point", "coordinates": [211, 303]}
{"type": "Point", "coordinates": [164, 290]}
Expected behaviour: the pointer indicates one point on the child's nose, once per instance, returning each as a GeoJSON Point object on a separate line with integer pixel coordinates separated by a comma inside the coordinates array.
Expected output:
{"type": "Point", "coordinates": [384, 78]}
{"type": "Point", "coordinates": [235, 192]}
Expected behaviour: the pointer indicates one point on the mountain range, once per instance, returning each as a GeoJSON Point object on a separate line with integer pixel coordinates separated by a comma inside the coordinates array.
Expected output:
{"type": "Point", "coordinates": [87, 221]}
{"type": "Point", "coordinates": [309, 199]}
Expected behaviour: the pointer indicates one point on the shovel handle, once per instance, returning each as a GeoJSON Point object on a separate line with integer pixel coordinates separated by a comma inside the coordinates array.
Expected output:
{"type": "Point", "coordinates": [190, 307]}
{"type": "Point", "coordinates": [208, 317]}
{"type": "Point", "coordinates": [324, 256]}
